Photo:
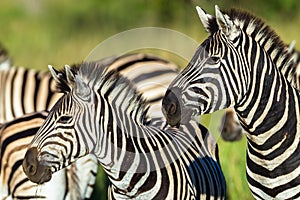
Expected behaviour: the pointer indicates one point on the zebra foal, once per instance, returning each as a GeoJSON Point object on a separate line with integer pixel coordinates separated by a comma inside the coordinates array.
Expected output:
{"type": "Point", "coordinates": [240, 65]}
{"type": "Point", "coordinates": [101, 113]}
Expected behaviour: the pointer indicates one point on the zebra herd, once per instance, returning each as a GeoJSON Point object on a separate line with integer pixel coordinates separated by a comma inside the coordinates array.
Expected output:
{"type": "Point", "coordinates": [134, 115]}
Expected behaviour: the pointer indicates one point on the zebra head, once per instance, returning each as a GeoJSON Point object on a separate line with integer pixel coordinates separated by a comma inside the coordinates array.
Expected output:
{"type": "Point", "coordinates": [211, 80]}
{"type": "Point", "coordinates": [58, 142]}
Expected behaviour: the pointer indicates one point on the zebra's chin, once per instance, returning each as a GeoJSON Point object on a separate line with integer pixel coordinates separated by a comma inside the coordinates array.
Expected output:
{"type": "Point", "coordinates": [35, 171]}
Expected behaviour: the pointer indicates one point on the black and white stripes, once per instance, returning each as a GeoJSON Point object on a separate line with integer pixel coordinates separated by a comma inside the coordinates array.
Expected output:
{"type": "Point", "coordinates": [75, 182]}
{"type": "Point", "coordinates": [101, 113]}
{"type": "Point", "coordinates": [26, 91]}
{"type": "Point", "coordinates": [240, 65]}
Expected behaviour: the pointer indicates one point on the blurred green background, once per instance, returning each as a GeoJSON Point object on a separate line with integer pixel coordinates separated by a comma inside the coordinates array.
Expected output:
{"type": "Point", "coordinates": [40, 32]}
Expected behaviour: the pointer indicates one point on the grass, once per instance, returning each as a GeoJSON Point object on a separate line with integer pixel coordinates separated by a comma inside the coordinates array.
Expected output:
{"type": "Point", "coordinates": [62, 32]}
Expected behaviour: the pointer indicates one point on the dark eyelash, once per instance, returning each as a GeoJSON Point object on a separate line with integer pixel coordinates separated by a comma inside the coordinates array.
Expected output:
{"type": "Point", "coordinates": [65, 119]}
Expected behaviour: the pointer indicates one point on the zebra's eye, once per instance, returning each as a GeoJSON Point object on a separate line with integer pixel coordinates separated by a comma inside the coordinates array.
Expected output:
{"type": "Point", "coordinates": [65, 119]}
{"type": "Point", "coordinates": [213, 59]}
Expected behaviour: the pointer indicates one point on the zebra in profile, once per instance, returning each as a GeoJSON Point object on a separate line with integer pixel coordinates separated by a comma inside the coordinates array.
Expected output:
{"type": "Point", "coordinates": [101, 113]}
{"type": "Point", "coordinates": [239, 65]}
{"type": "Point", "coordinates": [151, 75]}
{"type": "Point", "coordinates": [34, 87]}
{"type": "Point", "coordinates": [72, 183]}
{"type": "Point", "coordinates": [230, 128]}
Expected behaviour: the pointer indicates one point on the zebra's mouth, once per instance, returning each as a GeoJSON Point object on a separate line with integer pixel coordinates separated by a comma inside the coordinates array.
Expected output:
{"type": "Point", "coordinates": [35, 171]}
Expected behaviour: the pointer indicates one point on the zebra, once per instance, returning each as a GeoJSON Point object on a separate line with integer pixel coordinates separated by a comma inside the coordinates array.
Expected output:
{"type": "Point", "coordinates": [230, 128]}
{"type": "Point", "coordinates": [28, 90]}
{"type": "Point", "coordinates": [71, 183]}
{"type": "Point", "coordinates": [151, 74]}
{"type": "Point", "coordinates": [239, 66]}
{"type": "Point", "coordinates": [102, 113]}
{"type": "Point", "coordinates": [37, 86]}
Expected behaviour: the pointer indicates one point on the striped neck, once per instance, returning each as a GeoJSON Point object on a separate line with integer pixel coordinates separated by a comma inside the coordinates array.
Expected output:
{"type": "Point", "coordinates": [139, 156]}
{"type": "Point", "coordinates": [265, 37]}
{"type": "Point", "coordinates": [270, 115]}
{"type": "Point", "coordinates": [269, 96]}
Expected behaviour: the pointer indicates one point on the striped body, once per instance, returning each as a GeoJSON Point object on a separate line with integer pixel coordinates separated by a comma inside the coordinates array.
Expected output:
{"type": "Point", "coordinates": [296, 60]}
{"type": "Point", "coordinates": [101, 113]}
{"type": "Point", "coordinates": [27, 91]}
{"type": "Point", "coordinates": [240, 65]}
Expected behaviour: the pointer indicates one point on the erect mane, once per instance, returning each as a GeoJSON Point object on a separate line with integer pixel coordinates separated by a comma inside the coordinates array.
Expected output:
{"type": "Point", "coordinates": [62, 85]}
{"type": "Point", "coordinates": [97, 76]}
{"type": "Point", "coordinates": [265, 36]}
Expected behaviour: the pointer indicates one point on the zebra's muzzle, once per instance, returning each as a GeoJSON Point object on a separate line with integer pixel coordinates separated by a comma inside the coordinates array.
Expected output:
{"type": "Point", "coordinates": [35, 171]}
{"type": "Point", "coordinates": [171, 106]}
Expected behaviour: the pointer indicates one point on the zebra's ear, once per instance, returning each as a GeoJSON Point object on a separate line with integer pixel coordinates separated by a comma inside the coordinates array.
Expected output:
{"type": "Point", "coordinates": [224, 22]}
{"type": "Point", "coordinates": [204, 18]}
{"type": "Point", "coordinates": [69, 74]}
{"type": "Point", "coordinates": [63, 84]}
{"type": "Point", "coordinates": [291, 47]}
{"type": "Point", "coordinates": [54, 74]}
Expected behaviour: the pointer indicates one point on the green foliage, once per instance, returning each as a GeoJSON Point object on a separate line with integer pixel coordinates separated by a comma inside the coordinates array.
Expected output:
{"type": "Point", "coordinates": [100, 189]}
{"type": "Point", "coordinates": [233, 162]}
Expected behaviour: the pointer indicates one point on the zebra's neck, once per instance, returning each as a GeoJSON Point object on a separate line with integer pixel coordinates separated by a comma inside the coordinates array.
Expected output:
{"type": "Point", "coordinates": [140, 157]}
{"type": "Point", "coordinates": [270, 115]}
{"type": "Point", "coordinates": [143, 161]}
{"type": "Point", "coordinates": [267, 39]}
{"type": "Point", "coordinates": [269, 98]}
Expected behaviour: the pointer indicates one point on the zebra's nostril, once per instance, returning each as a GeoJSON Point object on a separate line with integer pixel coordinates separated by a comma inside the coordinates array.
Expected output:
{"type": "Point", "coordinates": [30, 162]}
{"type": "Point", "coordinates": [31, 169]}
{"type": "Point", "coordinates": [35, 171]}
{"type": "Point", "coordinates": [172, 109]}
